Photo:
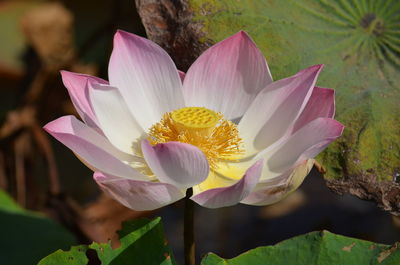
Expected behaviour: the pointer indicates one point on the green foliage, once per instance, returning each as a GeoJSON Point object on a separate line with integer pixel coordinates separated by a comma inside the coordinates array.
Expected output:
{"type": "Point", "coordinates": [357, 40]}
{"type": "Point", "coordinates": [142, 242]}
{"type": "Point", "coordinates": [75, 256]}
{"type": "Point", "coordinates": [26, 236]}
{"type": "Point", "coordinates": [315, 248]}
{"type": "Point", "coordinates": [7, 204]}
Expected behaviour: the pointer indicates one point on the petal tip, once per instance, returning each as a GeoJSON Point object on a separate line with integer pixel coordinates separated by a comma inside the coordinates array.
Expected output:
{"type": "Point", "coordinates": [341, 128]}
{"type": "Point", "coordinates": [260, 162]}
{"type": "Point", "coordinates": [64, 72]}
{"type": "Point", "coordinates": [243, 33]}
{"type": "Point", "coordinates": [65, 75]}
{"type": "Point", "coordinates": [313, 70]}
{"type": "Point", "coordinates": [242, 36]}
{"type": "Point", "coordinates": [120, 32]}
{"type": "Point", "coordinates": [121, 35]}
{"type": "Point", "coordinates": [336, 127]}
{"type": "Point", "coordinates": [60, 124]}
{"type": "Point", "coordinates": [317, 67]}
{"type": "Point", "coordinates": [51, 126]}
{"type": "Point", "coordinates": [47, 127]}
{"type": "Point", "coordinates": [98, 176]}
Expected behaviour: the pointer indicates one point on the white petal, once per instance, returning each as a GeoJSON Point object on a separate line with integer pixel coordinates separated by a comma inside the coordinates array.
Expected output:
{"type": "Point", "coordinates": [76, 85]}
{"type": "Point", "coordinates": [271, 191]}
{"type": "Point", "coordinates": [114, 117]}
{"type": "Point", "coordinates": [306, 143]}
{"type": "Point", "coordinates": [275, 109]}
{"type": "Point", "coordinates": [231, 195]}
{"type": "Point", "coordinates": [92, 147]}
{"type": "Point", "coordinates": [138, 195]}
{"type": "Point", "coordinates": [180, 164]}
{"type": "Point", "coordinates": [146, 77]}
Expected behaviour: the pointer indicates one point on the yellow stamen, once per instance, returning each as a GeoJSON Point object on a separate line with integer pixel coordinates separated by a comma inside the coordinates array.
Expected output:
{"type": "Point", "coordinates": [217, 137]}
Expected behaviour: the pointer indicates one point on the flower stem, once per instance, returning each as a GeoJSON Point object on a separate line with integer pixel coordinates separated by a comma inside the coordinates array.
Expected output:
{"type": "Point", "coordinates": [188, 229]}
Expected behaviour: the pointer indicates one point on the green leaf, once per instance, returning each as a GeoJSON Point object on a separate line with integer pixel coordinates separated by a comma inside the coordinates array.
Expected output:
{"type": "Point", "coordinates": [75, 256]}
{"type": "Point", "coordinates": [7, 204]}
{"type": "Point", "coordinates": [315, 248]}
{"type": "Point", "coordinates": [142, 242]}
{"type": "Point", "coordinates": [357, 40]}
{"type": "Point", "coordinates": [26, 236]}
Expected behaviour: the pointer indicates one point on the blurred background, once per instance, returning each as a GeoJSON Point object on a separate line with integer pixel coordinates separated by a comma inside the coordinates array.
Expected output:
{"type": "Point", "coordinates": [48, 199]}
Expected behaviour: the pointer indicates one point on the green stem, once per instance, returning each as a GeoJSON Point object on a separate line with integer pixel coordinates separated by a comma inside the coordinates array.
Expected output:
{"type": "Point", "coordinates": [188, 229]}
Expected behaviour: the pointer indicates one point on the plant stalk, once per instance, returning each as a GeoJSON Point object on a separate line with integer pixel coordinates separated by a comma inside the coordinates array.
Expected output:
{"type": "Point", "coordinates": [188, 229]}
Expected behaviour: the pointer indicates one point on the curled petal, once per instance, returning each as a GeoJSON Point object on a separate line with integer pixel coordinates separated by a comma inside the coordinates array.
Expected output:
{"type": "Point", "coordinates": [146, 77]}
{"type": "Point", "coordinates": [92, 147]}
{"type": "Point", "coordinates": [114, 117]}
{"type": "Point", "coordinates": [78, 90]}
{"type": "Point", "coordinates": [138, 195]}
{"type": "Point", "coordinates": [275, 109]}
{"type": "Point", "coordinates": [231, 195]}
{"type": "Point", "coordinates": [320, 105]}
{"type": "Point", "coordinates": [271, 191]}
{"type": "Point", "coordinates": [304, 144]}
{"type": "Point", "coordinates": [180, 164]}
{"type": "Point", "coordinates": [227, 77]}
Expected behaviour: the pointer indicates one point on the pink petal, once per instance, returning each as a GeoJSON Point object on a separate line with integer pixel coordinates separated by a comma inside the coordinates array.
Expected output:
{"type": "Point", "coordinates": [181, 75]}
{"type": "Point", "coordinates": [231, 195]}
{"type": "Point", "coordinates": [180, 164]}
{"type": "Point", "coordinates": [227, 77]}
{"type": "Point", "coordinates": [275, 109]}
{"type": "Point", "coordinates": [114, 117]}
{"type": "Point", "coordinates": [146, 77]}
{"type": "Point", "coordinates": [138, 195]}
{"type": "Point", "coordinates": [271, 191]}
{"type": "Point", "coordinates": [76, 85]}
{"type": "Point", "coordinates": [306, 143]}
{"type": "Point", "coordinates": [320, 105]}
{"type": "Point", "coordinates": [92, 147]}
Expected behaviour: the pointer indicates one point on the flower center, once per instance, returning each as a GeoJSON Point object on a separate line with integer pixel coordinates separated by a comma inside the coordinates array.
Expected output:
{"type": "Point", "coordinates": [217, 137]}
{"type": "Point", "coordinates": [195, 118]}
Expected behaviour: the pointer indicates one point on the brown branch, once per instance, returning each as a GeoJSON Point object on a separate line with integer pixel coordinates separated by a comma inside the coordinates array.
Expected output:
{"type": "Point", "coordinates": [37, 86]}
{"type": "Point", "coordinates": [16, 121]}
{"type": "Point", "coordinates": [169, 24]}
{"type": "Point", "coordinates": [3, 176]}
{"type": "Point", "coordinates": [20, 154]}
{"type": "Point", "coordinates": [386, 194]}
{"type": "Point", "coordinates": [44, 146]}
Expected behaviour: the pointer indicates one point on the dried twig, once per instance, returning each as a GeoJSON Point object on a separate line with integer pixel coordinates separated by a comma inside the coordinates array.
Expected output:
{"type": "Point", "coordinates": [20, 146]}
{"type": "Point", "coordinates": [3, 176]}
{"type": "Point", "coordinates": [44, 146]}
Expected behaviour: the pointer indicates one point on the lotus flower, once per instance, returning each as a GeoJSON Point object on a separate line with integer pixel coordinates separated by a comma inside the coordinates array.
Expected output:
{"type": "Point", "coordinates": [224, 129]}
